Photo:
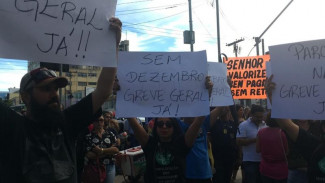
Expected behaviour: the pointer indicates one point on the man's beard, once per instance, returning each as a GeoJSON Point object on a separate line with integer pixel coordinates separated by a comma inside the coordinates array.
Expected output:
{"type": "Point", "coordinates": [46, 117]}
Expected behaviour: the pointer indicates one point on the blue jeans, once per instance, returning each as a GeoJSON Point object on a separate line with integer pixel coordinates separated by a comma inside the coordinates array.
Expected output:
{"type": "Point", "coordinates": [297, 176]}
{"type": "Point", "coordinates": [110, 173]}
{"type": "Point", "coordinates": [252, 172]}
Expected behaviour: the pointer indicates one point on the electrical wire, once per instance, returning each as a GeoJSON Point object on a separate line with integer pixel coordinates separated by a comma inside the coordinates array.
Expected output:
{"type": "Point", "coordinates": [134, 2]}
{"type": "Point", "coordinates": [154, 8]}
{"type": "Point", "coordinates": [162, 17]}
{"type": "Point", "coordinates": [204, 27]}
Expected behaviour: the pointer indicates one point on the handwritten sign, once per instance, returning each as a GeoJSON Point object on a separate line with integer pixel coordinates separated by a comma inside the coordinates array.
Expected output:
{"type": "Point", "coordinates": [248, 75]}
{"type": "Point", "coordinates": [162, 84]}
{"type": "Point", "coordinates": [299, 74]}
{"type": "Point", "coordinates": [221, 94]}
{"type": "Point", "coordinates": [59, 31]}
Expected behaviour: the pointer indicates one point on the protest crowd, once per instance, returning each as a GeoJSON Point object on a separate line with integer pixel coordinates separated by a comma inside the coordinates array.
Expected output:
{"type": "Point", "coordinates": [84, 144]}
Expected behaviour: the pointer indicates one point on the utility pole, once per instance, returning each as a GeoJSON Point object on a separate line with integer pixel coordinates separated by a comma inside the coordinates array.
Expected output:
{"type": "Point", "coordinates": [218, 31]}
{"type": "Point", "coordinates": [258, 39]}
{"type": "Point", "coordinates": [191, 26]}
{"type": "Point", "coordinates": [235, 45]}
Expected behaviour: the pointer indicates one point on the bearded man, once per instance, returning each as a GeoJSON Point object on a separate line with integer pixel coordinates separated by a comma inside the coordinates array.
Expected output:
{"type": "Point", "coordinates": [40, 146]}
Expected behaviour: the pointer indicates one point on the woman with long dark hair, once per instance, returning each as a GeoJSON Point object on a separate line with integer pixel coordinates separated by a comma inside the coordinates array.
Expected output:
{"type": "Point", "coordinates": [166, 149]}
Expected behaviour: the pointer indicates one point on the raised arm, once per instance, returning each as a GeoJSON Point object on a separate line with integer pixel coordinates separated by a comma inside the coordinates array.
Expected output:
{"type": "Point", "coordinates": [106, 78]}
{"type": "Point", "coordinates": [290, 127]}
{"type": "Point", "coordinates": [139, 132]}
{"type": "Point", "coordinates": [286, 124]}
{"type": "Point", "coordinates": [193, 131]}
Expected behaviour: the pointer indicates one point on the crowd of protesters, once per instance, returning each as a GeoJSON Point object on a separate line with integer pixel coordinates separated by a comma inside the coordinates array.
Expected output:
{"type": "Point", "coordinates": [51, 144]}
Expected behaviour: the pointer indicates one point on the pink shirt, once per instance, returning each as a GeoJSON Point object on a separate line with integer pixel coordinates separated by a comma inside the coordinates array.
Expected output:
{"type": "Point", "coordinates": [273, 163]}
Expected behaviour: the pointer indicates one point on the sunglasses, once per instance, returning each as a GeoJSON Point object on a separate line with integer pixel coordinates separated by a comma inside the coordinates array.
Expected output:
{"type": "Point", "coordinates": [161, 124]}
{"type": "Point", "coordinates": [39, 75]}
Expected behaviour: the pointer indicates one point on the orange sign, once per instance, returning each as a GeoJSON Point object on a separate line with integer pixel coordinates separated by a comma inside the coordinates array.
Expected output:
{"type": "Point", "coordinates": [248, 75]}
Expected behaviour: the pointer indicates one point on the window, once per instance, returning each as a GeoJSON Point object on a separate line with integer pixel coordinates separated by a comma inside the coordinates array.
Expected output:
{"type": "Point", "coordinates": [92, 83]}
{"type": "Point", "coordinates": [74, 66]}
{"type": "Point", "coordinates": [82, 83]}
{"type": "Point", "coordinates": [92, 74]}
{"type": "Point", "coordinates": [80, 74]}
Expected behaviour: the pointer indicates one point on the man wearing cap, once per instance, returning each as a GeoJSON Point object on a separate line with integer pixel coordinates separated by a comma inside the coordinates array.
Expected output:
{"type": "Point", "coordinates": [40, 147]}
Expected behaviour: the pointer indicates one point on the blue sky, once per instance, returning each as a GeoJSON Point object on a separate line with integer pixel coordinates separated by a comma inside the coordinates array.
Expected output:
{"type": "Point", "coordinates": [158, 25]}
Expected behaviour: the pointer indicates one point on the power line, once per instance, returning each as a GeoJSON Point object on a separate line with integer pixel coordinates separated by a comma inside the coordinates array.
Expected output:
{"type": "Point", "coordinates": [161, 18]}
{"type": "Point", "coordinates": [157, 31]}
{"type": "Point", "coordinates": [204, 26]}
{"type": "Point", "coordinates": [154, 8]}
{"type": "Point", "coordinates": [134, 2]}
{"type": "Point", "coordinates": [149, 27]}
{"type": "Point", "coordinates": [158, 18]}
{"type": "Point", "coordinates": [164, 35]}
{"type": "Point", "coordinates": [163, 30]}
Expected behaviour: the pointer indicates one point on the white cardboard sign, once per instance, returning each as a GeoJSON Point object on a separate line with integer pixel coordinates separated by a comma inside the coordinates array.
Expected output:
{"type": "Point", "coordinates": [299, 74]}
{"type": "Point", "coordinates": [59, 31]}
{"type": "Point", "coordinates": [162, 84]}
{"type": "Point", "coordinates": [221, 93]}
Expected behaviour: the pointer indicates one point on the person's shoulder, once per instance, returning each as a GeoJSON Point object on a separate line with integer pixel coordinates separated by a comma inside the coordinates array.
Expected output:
{"type": "Point", "coordinates": [245, 123]}
{"type": "Point", "coordinates": [263, 130]}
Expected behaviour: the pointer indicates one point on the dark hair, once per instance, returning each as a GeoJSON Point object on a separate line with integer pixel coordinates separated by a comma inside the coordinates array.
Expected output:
{"type": "Point", "coordinates": [256, 108]}
{"type": "Point", "coordinates": [271, 122]}
{"type": "Point", "coordinates": [177, 129]}
{"type": "Point", "coordinates": [238, 106]}
{"type": "Point", "coordinates": [224, 112]}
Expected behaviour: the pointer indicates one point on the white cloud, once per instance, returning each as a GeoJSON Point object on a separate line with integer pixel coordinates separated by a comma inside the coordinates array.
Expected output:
{"type": "Point", "coordinates": [11, 72]}
{"type": "Point", "coordinates": [302, 21]}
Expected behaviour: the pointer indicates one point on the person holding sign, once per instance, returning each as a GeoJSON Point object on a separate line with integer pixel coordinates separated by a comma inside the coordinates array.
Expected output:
{"type": "Point", "coordinates": [166, 149]}
{"type": "Point", "coordinates": [223, 142]}
{"type": "Point", "coordinates": [198, 168]}
{"type": "Point", "coordinates": [311, 147]}
{"type": "Point", "coordinates": [40, 147]}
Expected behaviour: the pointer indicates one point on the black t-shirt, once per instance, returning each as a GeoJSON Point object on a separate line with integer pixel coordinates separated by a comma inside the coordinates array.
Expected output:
{"type": "Point", "coordinates": [223, 139]}
{"type": "Point", "coordinates": [27, 151]}
{"type": "Point", "coordinates": [165, 162]}
{"type": "Point", "coordinates": [313, 151]}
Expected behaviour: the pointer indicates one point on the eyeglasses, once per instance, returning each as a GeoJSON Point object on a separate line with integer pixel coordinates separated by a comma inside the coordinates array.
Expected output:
{"type": "Point", "coordinates": [161, 124]}
{"type": "Point", "coordinates": [39, 75]}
